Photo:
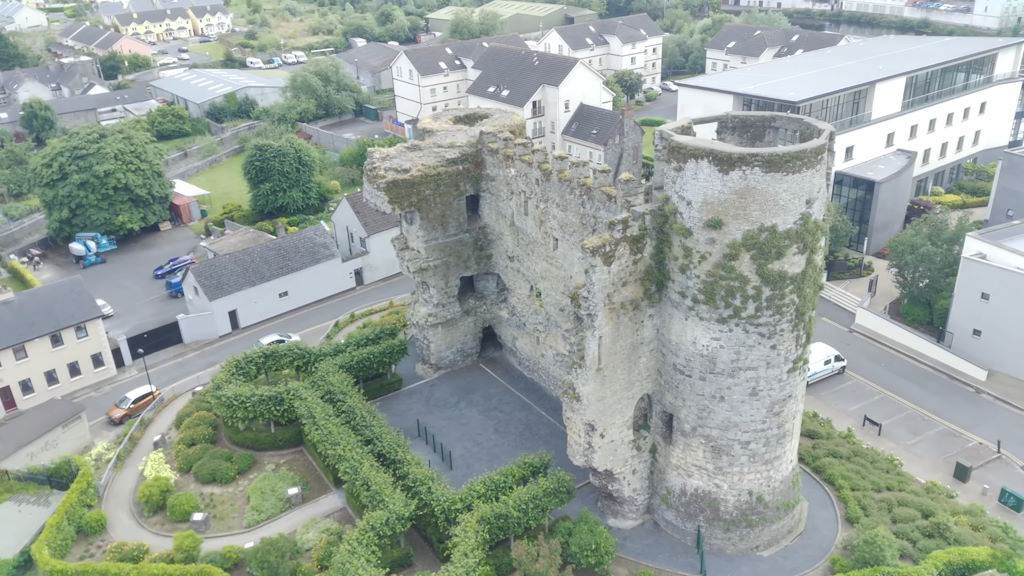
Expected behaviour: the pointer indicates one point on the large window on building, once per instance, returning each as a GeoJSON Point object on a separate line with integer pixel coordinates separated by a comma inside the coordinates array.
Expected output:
{"type": "Point", "coordinates": [936, 84]}
{"type": "Point", "coordinates": [854, 197]}
{"type": "Point", "coordinates": [842, 111]}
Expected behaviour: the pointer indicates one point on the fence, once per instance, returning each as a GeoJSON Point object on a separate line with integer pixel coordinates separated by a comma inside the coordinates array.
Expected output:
{"type": "Point", "coordinates": [322, 137]}
{"type": "Point", "coordinates": [143, 421]}
{"type": "Point", "coordinates": [188, 170]}
{"type": "Point", "coordinates": [18, 233]}
{"type": "Point", "coordinates": [43, 477]}
{"type": "Point", "coordinates": [175, 162]}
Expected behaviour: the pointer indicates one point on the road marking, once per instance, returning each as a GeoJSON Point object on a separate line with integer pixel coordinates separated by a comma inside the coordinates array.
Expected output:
{"type": "Point", "coordinates": [865, 403]}
{"type": "Point", "coordinates": [525, 399]}
{"type": "Point", "coordinates": [924, 435]}
{"type": "Point", "coordinates": [834, 323]}
{"type": "Point", "coordinates": [898, 416]}
{"type": "Point", "coordinates": [935, 418]}
{"type": "Point", "coordinates": [958, 450]}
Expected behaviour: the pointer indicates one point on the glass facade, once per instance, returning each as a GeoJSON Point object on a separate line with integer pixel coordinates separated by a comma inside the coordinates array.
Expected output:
{"type": "Point", "coordinates": [940, 83]}
{"type": "Point", "coordinates": [854, 197]}
{"type": "Point", "coordinates": [842, 111]}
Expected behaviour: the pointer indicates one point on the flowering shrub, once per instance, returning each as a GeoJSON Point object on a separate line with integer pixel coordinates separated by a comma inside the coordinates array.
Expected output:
{"type": "Point", "coordinates": [156, 465]}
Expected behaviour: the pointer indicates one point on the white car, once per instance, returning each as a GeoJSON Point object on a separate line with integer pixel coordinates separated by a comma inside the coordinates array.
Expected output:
{"type": "Point", "coordinates": [168, 61]}
{"type": "Point", "coordinates": [288, 58]}
{"type": "Point", "coordinates": [668, 86]}
{"type": "Point", "coordinates": [278, 338]}
{"type": "Point", "coordinates": [184, 56]}
{"type": "Point", "coordinates": [106, 309]}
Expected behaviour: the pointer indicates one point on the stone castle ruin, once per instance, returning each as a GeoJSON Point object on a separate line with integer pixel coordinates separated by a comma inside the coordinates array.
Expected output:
{"type": "Point", "coordinates": [671, 317]}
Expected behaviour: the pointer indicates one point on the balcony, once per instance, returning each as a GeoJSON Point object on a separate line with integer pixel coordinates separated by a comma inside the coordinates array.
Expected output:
{"type": "Point", "coordinates": [536, 112]}
{"type": "Point", "coordinates": [536, 133]}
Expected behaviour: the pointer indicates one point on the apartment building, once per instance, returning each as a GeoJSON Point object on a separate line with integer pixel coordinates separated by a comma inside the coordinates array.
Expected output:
{"type": "Point", "coordinates": [429, 79]}
{"type": "Point", "coordinates": [153, 25]}
{"type": "Point", "coordinates": [985, 315]}
{"type": "Point", "coordinates": [625, 43]}
{"type": "Point", "coordinates": [908, 111]}
{"type": "Point", "coordinates": [739, 45]}
{"type": "Point", "coordinates": [52, 343]}
{"type": "Point", "coordinates": [545, 88]}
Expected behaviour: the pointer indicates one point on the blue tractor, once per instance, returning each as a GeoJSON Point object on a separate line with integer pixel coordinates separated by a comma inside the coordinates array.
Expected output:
{"type": "Point", "coordinates": [87, 247]}
{"type": "Point", "coordinates": [173, 285]}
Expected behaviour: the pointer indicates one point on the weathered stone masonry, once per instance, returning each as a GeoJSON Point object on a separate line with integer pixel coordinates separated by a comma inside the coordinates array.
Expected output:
{"type": "Point", "coordinates": [672, 318]}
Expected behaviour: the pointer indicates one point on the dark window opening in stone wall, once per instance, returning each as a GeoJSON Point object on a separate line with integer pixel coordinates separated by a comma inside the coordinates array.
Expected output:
{"type": "Point", "coordinates": [667, 424]}
{"type": "Point", "coordinates": [489, 342]}
{"type": "Point", "coordinates": [642, 415]}
{"type": "Point", "coordinates": [466, 286]}
{"type": "Point", "coordinates": [473, 209]}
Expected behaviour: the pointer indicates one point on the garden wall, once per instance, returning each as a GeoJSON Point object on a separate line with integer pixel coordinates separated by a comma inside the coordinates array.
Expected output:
{"type": "Point", "coordinates": [22, 232]}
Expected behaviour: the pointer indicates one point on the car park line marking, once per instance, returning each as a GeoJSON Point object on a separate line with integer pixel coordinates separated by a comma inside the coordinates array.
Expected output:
{"type": "Point", "coordinates": [946, 423]}
{"type": "Point", "coordinates": [865, 403]}
{"type": "Point", "coordinates": [525, 399]}
{"type": "Point", "coordinates": [833, 322]}
{"type": "Point", "coordinates": [958, 450]}
{"type": "Point", "coordinates": [923, 435]}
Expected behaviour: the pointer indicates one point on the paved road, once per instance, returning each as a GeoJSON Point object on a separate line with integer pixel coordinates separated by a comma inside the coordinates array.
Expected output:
{"type": "Point", "coordinates": [663, 107]}
{"type": "Point", "coordinates": [194, 363]}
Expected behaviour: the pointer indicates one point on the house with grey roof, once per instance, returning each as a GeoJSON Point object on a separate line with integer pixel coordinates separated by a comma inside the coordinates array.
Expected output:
{"type": "Point", "coordinates": [362, 230]}
{"type": "Point", "coordinates": [435, 77]}
{"type": "Point", "coordinates": [370, 64]}
{"type": "Point", "coordinates": [15, 16]}
{"type": "Point", "coordinates": [604, 136]}
{"type": "Point", "coordinates": [196, 89]}
{"type": "Point", "coordinates": [52, 343]}
{"type": "Point", "coordinates": [516, 17]}
{"type": "Point", "coordinates": [544, 88]}
{"type": "Point", "coordinates": [153, 25]}
{"type": "Point", "coordinates": [245, 287]}
{"type": "Point", "coordinates": [83, 36]}
{"type": "Point", "coordinates": [57, 427]}
{"type": "Point", "coordinates": [738, 45]}
{"type": "Point", "coordinates": [622, 43]}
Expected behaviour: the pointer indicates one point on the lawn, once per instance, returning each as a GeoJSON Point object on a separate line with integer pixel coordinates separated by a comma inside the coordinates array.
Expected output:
{"type": "Point", "coordinates": [648, 148]}
{"type": "Point", "coordinates": [215, 50]}
{"type": "Point", "coordinates": [225, 183]}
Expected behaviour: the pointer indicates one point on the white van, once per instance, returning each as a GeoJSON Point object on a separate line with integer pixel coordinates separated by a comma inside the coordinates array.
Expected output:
{"type": "Point", "coordinates": [254, 63]}
{"type": "Point", "coordinates": [823, 361]}
{"type": "Point", "coordinates": [300, 56]}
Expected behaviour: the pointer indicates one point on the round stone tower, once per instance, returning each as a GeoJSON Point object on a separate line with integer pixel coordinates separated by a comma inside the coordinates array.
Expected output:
{"type": "Point", "coordinates": [740, 217]}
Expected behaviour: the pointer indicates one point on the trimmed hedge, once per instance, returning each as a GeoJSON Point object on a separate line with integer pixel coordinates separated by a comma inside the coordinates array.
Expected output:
{"type": "Point", "coordinates": [18, 270]}
{"type": "Point", "coordinates": [651, 121]}
{"type": "Point", "coordinates": [181, 505]}
{"type": "Point", "coordinates": [963, 561]}
{"type": "Point", "coordinates": [381, 386]}
{"type": "Point", "coordinates": [60, 531]}
{"type": "Point", "coordinates": [283, 437]}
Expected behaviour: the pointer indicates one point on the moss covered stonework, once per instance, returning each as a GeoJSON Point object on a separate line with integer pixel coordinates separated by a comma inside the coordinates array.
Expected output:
{"type": "Point", "coordinates": [671, 317]}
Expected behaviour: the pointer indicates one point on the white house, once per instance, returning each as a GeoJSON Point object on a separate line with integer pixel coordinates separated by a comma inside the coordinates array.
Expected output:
{"type": "Point", "coordinates": [986, 315]}
{"type": "Point", "coordinates": [545, 88]}
{"type": "Point", "coordinates": [364, 231]}
{"type": "Point", "coordinates": [624, 43]}
{"type": "Point", "coordinates": [370, 64]}
{"type": "Point", "coordinates": [429, 79]}
{"type": "Point", "coordinates": [246, 287]}
{"type": "Point", "coordinates": [15, 16]}
{"type": "Point", "coordinates": [911, 108]}
{"type": "Point", "coordinates": [739, 45]}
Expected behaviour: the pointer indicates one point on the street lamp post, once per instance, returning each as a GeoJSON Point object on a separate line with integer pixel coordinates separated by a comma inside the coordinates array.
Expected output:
{"type": "Point", "coordinates": [142, 353]}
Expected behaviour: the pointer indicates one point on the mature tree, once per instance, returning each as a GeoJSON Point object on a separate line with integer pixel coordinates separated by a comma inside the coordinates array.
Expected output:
{"type": "Point", "coordinates": [169, 122]}
{"type": "Point", "coordinates": [111, 65]}
{"type": "Point", "coordinates": [586, 543]}
{"type": "Point", "coordinates": [321, 89]}
{"type": "Point", "coordinates": [16, 178]}
{"type": "Point", "coordinates": [38, 119]}
{"type": "Point", "coordinates": [108, 179]}
{"type": "Point", "coordinates": [770, 19]}
{"type": "Point", "coordinates": [137, 63]}
{"type": "Point", "coordinates": [541, 557]}
{"type": "Point", "coordinates": [924, 258]}
{"type": "Point", "coordinates": [618, 98]}
{"type": "Point", "coordinates": [276, 555]}
{"type": "Point", "coordinates": [282, 177]}
{"type": "Point", "coordinates": [393, 24]}
{"type": "Point", "coordinates": [14, 55]}
{"type": "Point", "coordinates": [468, 23]}
{"type": "Point", "coordinates": [488, 23]}
{"type": "Point", "coordinates": [840, 230]}
{"type": "Point", "coordinates": [629, 81]}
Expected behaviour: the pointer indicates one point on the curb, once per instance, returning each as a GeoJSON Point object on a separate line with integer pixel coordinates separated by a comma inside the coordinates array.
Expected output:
{"type": "Point", "coordinates": [839, 520]}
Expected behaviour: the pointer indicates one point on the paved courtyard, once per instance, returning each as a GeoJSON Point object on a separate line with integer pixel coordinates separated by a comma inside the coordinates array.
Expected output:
{"type": "Point", "coordinates": [126, 280]}
{"type": "Point", "coordinates": [489, 412]}
{"type": "Point", "coordinates": [356, 128]}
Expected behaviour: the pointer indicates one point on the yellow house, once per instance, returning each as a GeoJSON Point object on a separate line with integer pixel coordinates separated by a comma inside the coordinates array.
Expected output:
{"type": "Point", "coordinates": [153, 25]}
{"type": "Point", "coordinates": [210, 20]}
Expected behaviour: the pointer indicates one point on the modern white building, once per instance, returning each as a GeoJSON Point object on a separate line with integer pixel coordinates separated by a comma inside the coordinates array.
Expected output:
{"type": "Point", "coordinates": [429, 79]}
{"type": "Point", "coordinates": [613, 44]}
{"type": "Point", "coordinates": [15, 17]}
{"type": "Point", "coordinates": [362, 230]}
{"type": "Point", "coordinates": [243, 288]}
{"type": "Point", "coordinates": [545, 88]}
{"type": "Point", "coordinates": [52, 342]}
{"type": "Point", "coordinates": [908, 111]}
{"type": "Point", "coordinates": [739, 45]}
{"type": "Point", "coordinates": [986, 313]}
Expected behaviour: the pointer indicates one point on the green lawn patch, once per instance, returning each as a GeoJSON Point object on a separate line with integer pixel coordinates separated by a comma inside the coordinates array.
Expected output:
{"type": "Point", "coordinates": [268, 495]}
{"type": "Point", "coordinates": [225, 183]}
{"type": "Point", "coordinates": [648, 148]}
{"type": "Point", "coordinates": [215, 50]}
{"type": "Point", "coordinates": [9, 488]}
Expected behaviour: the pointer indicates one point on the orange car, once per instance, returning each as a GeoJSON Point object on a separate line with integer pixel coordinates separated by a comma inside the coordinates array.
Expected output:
{"type": "Point", "coordinates": [132, 404]}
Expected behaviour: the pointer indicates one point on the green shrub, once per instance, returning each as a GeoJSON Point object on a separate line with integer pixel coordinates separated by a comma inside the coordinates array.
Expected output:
{"type": "Point", "coordinates": [186, 457]}
{"type": "Point", "coordinates": [950, 200]}
{"type": "Point", "coordinates": [397, 558]}
{"type": "Point", "coordinates": [323, 550]}
{"type": "Point", "coordinates": [198, 403]}
{"type": "Point", "coordinates": [156, 465]}
{"type": "Point", "coordinates": [181, 505]}
{"type": "Point", "coordinates": [381, 386]}
{"type": "Point", "coordinates": [200, 419]}
{"type": "Point", "coordinates": [268, 497]}
{"type": "Point", "coordinates": [973, 188]}
{"type": "Point", "coordinates": [19, 210]}
{"type": "Point", "coordinates": [197, 436]}
{"type": "Point", "coordinates": [283, 437]}
{"type": "Point", "coordinates": [127, 552]}
{"type": "Point", "coordinates": [875, 547]}
{"type": "Point", "coordinates": [977, 202]}
{"type": "Point", "coordinates": [274, 556]}
{"type": "Point", "coordinates": [186, 547]}
{"type": "Point", "coordinates": [651, 121]}
{"type": "Point", "coordinates": [540, 557]}
{"type": "Point", "coordinates": [315, 530]}
{"type": "Point", "coordinates": [243, 462]}
{"type": "Point", "coordinates": [226, 558]}
{"type": "Point", "coordinates": [94, 522]}
{"type": "Point", "coordinates": [153, 494]}
{"type": "Point", "coordinates": [916, 313]}
{"type": "Point", "coordinates": [651, 95]}
{"type": "Point", "coordinates": [210, 470]}
{"type": "Point", "coordinates": [500, 561]}
{"type": "Point", "coordinates": [586, 543]}
{"type": "Point", "coordinates": [18, 270]}
{"type": "Point", "coordinates": [162, 557]}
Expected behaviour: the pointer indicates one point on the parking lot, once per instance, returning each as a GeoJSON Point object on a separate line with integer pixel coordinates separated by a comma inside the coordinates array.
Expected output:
{"type": "Point", "coordinates": [126, 280]}
{"type": "Point", "coordinates": [355, 128]}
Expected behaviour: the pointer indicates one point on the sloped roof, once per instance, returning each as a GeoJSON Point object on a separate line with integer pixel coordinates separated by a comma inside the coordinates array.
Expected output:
{"type": "Point", "coordinates": [627, 29]}
{"type": "Point", "coordinates": [24, 427]}
{"type": "Point", "coordinates": [99, 38]}
{"type": "Point", "coordinates": [44, 310]}
{"type": "Point", "coordinates": [152, 16]}
{"type": "Point", "coordinates": [592, 124]}
{"type": "Point", "coordinates": [12, 8]}
{"type": "Point", "coordinates": [427, 59]}
{"type": "Point", "coordinates": [371, 219]}
{"type": "Point", "coordinates": [203, 10]}
{"type": "Point", "coordinates": [512, 76]}
{"type": "Point", "coordinates": [248, 268]}
{"type": "Point", "coordinates": [374, 56]}
{"type": "Point", "coordinates": [753, 41]}
{"type": "Point", "coordinates": [97, 101]}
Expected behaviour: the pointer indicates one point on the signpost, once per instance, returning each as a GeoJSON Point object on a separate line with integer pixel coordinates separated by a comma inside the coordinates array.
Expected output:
{"type": "Point", "coordinates": [1011, 500]}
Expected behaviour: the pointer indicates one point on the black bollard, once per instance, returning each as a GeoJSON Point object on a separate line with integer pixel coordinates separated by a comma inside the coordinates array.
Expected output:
{"type": "Point", "coordinates": [426, 436]}
{"type": "Point", "coordinates": [450, 459]}
{"type": "Point", "coordinates": [442, 451]}
{"type": "Point", "coordinates": [417, 427]}
{"type": "Point", "coordinates": [433, 440]}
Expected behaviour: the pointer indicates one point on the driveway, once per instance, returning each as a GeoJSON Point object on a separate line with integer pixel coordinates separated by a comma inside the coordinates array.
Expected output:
{"type": "Point", "coordinates": [355, 128]}
{"type": "Point", "coordinates": [126, 281]}
{"type": "Point", "coordinates": [663, 107]}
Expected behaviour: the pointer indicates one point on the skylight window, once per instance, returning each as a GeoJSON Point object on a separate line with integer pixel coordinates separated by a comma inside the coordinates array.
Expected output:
{"type": "Point", "coordinates": [793, 39]}
{"type": "Point", "coordinates": [491, 89]}
{"type": "Point", "coordinates": [730, 44]}
{"type": "Point", "coordinates": [442, 65]}
{"type": "Point", "coordinates": [504, 92]}
{"type": "Point", "coordinates": [589, 41]}
{"type": "Point", "coordinates": [592, 29]}
{"type": "Point", "coordinates": [448, 50]}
